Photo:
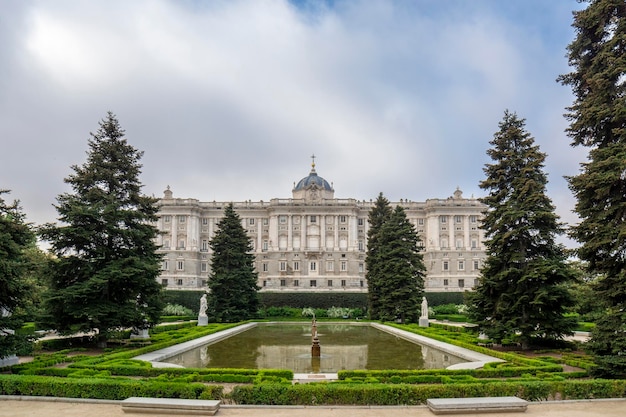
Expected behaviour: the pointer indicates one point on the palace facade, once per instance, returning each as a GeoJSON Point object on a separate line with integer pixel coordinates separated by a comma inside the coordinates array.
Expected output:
{"type": "Point", "coordinates": [316, 242]}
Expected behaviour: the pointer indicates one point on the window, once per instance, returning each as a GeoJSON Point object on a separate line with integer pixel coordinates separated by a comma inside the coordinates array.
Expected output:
{"type": "Point", "coordinates": [459, 243]}
{"type": "Point", "coordinates": [313, 266]}
{"type": "Point", "coordinates": [443, 219]}
{"type": "Point", "coordinates": [205, 221]}
{"type": "Point", "coordinates": [164, 282]}
{"type": "Point", "coordinates": [296, 283]}
{"type": "Point", "coordinates": [203, 282]}
{"type": "Point", "coordinates": [446, 266]}
{"type": "Point", "coordinates": [283, 266]}
{"type": "Point", "coordinates": [420, 222]}
{"type": "Point", "coordinates": [361, 245]}
{"type": "Point", "coordinates": [180, 265]}
{"type": "Point", "coordinates": [264, 222]}
{"type": "Point", "coordinates": [476, 282]}
{"type": "Point", "coordinates": [296, 266]}
{"type": "Point", "coordinates": [283, 282]}
{"type": "Point", "coordinates": [343, 282]}
{"type": "Point", "coordinates": [205, 245]}
{"type": "Point", "coordinates": [330, 282]}
{"type": "Point", "coordinates": [282, 219]}
{"type": "Point", "coordinates": [461, 283]}
{"type": "Point", "coordinates": [444, 243]}
{"type": "Point", "coordinates": [445, 282]}
{"type": "Point", "coordinates": [182, 219]}
{"type": "Point", "coordinates": [344, 265]}
{"type": "Point", "coordinates": [313, 219]}
{"type": "Point", "coordinates": [265, 245]}
{"type": "Point", "coordinates": [458, 219]}
{"type": "Point", "coordinates": [461, 265]}
{"type": "Point", "coordinates": [181, 244]}
{"type": "Point", "coordinates": [330, 266]}
{"type": "Point", "coordinates": [474, 244]}
{"type": "Point", "coordinates": [342, 219]}
{"type": "Point", "coordinates": [476, 265]}
{"type": "Point", "coordinates": [167, 219]}
{"type": "Point", "coordinates": [360, 222]}
{"type": "Point", "coordinates": [165, 266]}
{"type": "Point", "coordinates": [472, 219]}
{"type": "Point", "coordinates": [264, 283]}
{"type": "Point", "coordinates": [362, 284]}
{"type": "Point", "coordinates": [251, 222]}
{"type": "Point", "coordinates": [179, 282]}
{"type": "Point", "coordinates": [203, 267]}
{"type": "Point", "coordinates": [264, 267]}
{"type": "Point", "coordinates": [166, 244]}
{"type": "Point", "coordinates": [361, 267]}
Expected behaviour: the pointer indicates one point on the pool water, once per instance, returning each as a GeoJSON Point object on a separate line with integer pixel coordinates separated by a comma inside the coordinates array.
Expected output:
{"type": "Point", "coordinates": [288, 346]}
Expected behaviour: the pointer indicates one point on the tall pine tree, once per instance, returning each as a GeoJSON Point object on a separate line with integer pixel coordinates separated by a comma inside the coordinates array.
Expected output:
{"type": "Point", "coordinates": [233, 280]}
{"type": "Point", "coordinates": [395, 267]}
{"type": "Point", "coordinates": [16, 237]}
{"type": "Point", "coordinates": [377, 216]}
{"type": "Point", "coordinates": [106, 274]}
{"type": "Point", "coordinates": [521, 291]}
{"type": "Point", "coordinates": [598, 121]}
{"type": "Point", "coordinates": [402, 270]}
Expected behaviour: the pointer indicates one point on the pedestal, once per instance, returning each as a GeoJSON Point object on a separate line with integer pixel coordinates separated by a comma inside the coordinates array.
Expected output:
{"type": "Point", "coordinates": [9, 361]}
{"type": "Point", "coordinates": [140, 334]}
{"type": "Point", "coordinates": [424, 322]}
{"type": "Point", "coordinates": [203, 320]}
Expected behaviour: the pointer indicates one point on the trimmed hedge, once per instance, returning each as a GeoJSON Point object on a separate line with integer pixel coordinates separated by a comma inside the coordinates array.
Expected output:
{"type": "Point", "coordinates": [105, 389]}
{"type": "Point", "coordinates": [379, 394]}
{"type": "Point", "coordinates": [324, 300]}
{"type": "Point", "coordinates": [313, 299]}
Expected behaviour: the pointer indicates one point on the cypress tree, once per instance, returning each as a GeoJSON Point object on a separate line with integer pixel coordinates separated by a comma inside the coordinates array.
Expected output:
{"type": "Point", "coordinates": [522, 288]}
{"type": "Point", "coordinates": [598, 121]}
{"type": "Point", "coordinates": [233, 279]}
{"type": "Point", "coordinates": [105, 277]}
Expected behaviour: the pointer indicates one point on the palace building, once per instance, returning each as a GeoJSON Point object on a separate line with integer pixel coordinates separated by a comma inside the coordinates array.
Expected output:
{"type": "Point", "coordinates": [316, 242]}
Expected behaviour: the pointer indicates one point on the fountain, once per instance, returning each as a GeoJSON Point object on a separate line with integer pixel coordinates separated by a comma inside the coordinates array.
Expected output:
{"type": "Point", "coordinates": [315, 346]}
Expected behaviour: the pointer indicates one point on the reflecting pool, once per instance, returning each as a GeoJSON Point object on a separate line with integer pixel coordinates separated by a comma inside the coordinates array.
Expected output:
{"type": "Point", "coordinates": [288, 346]}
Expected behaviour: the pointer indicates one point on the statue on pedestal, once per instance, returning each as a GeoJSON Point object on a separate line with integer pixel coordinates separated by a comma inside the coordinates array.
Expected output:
{"type": "Point", "coordinates": [424, 317]}
{"type": "Point", "coordinates": [203, 320]}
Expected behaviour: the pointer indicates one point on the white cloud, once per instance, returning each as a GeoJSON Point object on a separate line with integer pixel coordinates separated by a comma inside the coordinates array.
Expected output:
{"type": "Point", "coordinates": [228, 99]}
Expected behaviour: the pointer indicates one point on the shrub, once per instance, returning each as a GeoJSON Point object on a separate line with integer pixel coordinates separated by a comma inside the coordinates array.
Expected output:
{"type": "Point", "coordinates": [176, 310]}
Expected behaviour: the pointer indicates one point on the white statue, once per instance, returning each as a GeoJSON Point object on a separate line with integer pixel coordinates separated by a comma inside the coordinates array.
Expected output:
{"type": "Point", "coordinates": [424, 307]}
{"type": "Point", "coordinates": [203, 305]}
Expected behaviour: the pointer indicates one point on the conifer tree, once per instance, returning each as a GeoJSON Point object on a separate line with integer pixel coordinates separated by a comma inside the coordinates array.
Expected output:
{"type": "Point", "coordinates": [401, 268]}
{"type": "Point", "coordinates": [597, 118]}
{"type": "Point", "coordinates": [395, 268]}
{"type": "Point", "coordinates": [376, 217]}
{"type": "Point", "coordinates": [16, 237]}
{"type": "Point", "coordinates": [522, 288]}
{"type": "Point", "coordinates": [232, 282]}
{"type": "Point", "coordinates": [105, 277]}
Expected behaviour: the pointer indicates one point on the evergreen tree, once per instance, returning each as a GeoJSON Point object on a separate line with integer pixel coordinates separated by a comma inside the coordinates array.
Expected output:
{"type": "Point", "coordinates": [16, 236]}
{"type": "Point", "coordinates": [105, 277]}
{"type": "Point", "coordinates": [598, 121]}
{"type": "Point", "coordinates": [398, 269]}
{"type": "Point", "coordinates": [377, 216]}
{"type": "Point", "coordinates": [233, 280]}
{"type": "Point", "coordinates": [522, 289]}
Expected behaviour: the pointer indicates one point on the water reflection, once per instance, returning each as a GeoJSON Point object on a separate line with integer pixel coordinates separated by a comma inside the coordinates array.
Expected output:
{"type": "Point", "coordinates": [343, 347]}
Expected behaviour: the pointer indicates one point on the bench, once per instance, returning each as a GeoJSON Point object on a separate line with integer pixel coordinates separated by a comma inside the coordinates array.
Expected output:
{"type": "Point", "coordinates": [170, 406]}
{"type": "Point", "coordinates": [476, 405]}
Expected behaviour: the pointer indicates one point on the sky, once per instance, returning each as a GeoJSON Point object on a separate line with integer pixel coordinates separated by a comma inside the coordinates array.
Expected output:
{"type": "Point", "coordinates": [228, 99]}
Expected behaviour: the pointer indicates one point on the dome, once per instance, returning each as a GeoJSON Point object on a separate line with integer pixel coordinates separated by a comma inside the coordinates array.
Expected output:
{"type": "Point", "coordinates": [313, 179]}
